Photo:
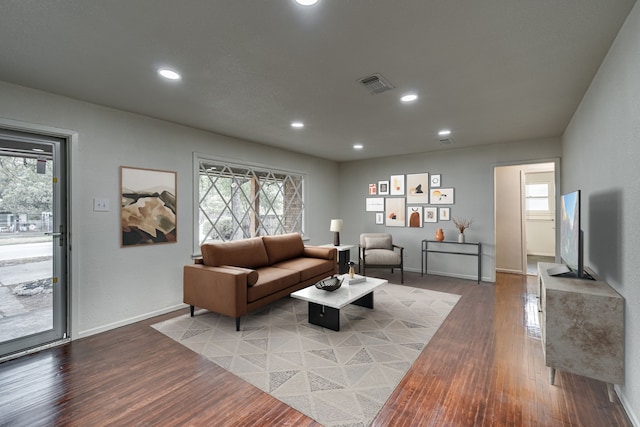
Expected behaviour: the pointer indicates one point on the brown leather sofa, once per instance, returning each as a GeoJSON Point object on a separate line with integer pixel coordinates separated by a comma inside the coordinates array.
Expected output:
{"type": "Point", "coordinates": [236, 277]}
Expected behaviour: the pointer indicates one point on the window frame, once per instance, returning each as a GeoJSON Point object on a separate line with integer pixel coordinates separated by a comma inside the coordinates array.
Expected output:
{"type": "Point", "coordinates": [256, 168]}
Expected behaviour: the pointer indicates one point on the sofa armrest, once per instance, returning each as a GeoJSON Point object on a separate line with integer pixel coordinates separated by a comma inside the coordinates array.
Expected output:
{"type": "Point", "coordinates": [320, 252]}
{"type": "Point", "coordinates": [219, 289]}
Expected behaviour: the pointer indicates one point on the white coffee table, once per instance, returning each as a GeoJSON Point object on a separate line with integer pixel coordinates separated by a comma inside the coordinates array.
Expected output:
{"type": "Point", "coordinates": [324, 306]}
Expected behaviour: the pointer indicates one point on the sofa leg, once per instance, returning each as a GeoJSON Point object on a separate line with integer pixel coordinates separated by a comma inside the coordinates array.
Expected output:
{"type": "Point", "coordinates": [192, 309]}
{"type": "Point", "coordinates": [237, 323]}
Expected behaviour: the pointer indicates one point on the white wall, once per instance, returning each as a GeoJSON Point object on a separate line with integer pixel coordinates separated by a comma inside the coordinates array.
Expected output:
{"type": "Point", "coordinates": [470, 171]}
{"type": "Point", "coordinates": [113, 286]}
{"type": "Point", "coordinates": [601, 154]}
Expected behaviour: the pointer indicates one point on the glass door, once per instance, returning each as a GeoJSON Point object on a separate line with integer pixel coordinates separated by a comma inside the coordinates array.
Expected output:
{"type": "Point", "coordinates": [33, 241]}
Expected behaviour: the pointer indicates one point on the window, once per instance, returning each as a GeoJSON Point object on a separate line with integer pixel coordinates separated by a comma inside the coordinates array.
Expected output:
{"type": "Point", "coordinates": [539, 195]}
{"type": "Point", "coordinates": [240, 201]}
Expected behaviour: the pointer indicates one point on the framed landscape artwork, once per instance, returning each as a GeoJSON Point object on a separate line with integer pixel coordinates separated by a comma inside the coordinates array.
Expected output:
{"type": "Point", "coordinates": [418, 188]}
{"type": "Point", "coordinates": [148, 207]}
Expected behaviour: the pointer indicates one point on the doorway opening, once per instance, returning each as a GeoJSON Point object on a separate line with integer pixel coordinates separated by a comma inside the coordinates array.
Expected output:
{"type": "Point", "coordinates": [525, 215]}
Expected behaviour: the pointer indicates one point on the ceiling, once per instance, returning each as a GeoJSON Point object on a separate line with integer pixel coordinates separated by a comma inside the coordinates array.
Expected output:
{"type": "Point", "coordinates": [492, 71]}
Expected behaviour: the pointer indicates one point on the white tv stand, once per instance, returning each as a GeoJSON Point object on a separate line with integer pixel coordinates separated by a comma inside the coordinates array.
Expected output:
{"type": "Point", "coordinates": [582, 326]}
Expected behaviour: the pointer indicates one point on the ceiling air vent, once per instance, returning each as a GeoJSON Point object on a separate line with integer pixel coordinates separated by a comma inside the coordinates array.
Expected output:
{"type": "Point", "coordinates": [445, 140]}
{"type": "Point", "coordinates": [375, 83]}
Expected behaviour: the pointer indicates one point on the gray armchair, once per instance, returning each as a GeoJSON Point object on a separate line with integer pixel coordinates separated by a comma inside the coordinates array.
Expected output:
{"type": "Point", "coordinates": [378, 250]}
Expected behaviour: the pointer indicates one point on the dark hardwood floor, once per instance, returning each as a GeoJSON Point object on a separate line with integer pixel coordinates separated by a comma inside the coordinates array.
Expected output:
{"type": "Point", "coordinates": [483, 367]}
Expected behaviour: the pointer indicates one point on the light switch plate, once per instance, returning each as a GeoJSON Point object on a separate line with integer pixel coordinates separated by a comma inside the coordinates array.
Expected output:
{"type": "Point", "coordinates": [100, 205]}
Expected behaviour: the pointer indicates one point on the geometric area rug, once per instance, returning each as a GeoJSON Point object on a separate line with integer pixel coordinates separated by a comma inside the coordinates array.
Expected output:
{"type": "Point", "coordinates": [337, 378]}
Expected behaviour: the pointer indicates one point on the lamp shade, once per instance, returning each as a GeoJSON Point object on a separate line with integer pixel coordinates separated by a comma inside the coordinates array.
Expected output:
{"type": "Point", "coordinates": [336, 225]}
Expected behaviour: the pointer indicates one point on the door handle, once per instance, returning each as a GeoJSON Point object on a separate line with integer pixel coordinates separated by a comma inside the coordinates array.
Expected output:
{"type": "Point", "coordinates": [59, 234]}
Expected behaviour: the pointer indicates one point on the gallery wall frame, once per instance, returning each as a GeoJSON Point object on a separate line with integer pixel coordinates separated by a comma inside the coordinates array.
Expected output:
{"type": "Point", "coordinates": [441, 196]}
{"type": "Point", "coordinates": [380, 218]}
{"type": "Point", "coordinates": [430, 214]}
{"type": "Point", "coordinates": [414, 215]}
{"type": "Point", "coordinates": [396, 185]}
{"type": "Point", "coordinates": [383, 188]}
{"type": "Point", "coordinates": [374, 204]}
{"type": "Point", "coordinates": [394, 212]}
{"type": "Point", "coordinates": [444, 214]}
{"type": "Point", "coordinates": [148, 209]}
{"type": "Point", "coordinates": [373, 189]}
{"type": "Point", "coordinates": [417, 188]}
{"type": "Point", "coordinates": [436, 181]}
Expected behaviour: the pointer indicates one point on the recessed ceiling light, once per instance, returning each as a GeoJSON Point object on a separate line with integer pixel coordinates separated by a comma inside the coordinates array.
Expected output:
{"type": "Point", "coordinates": [306, 2]}
{"type": "Point", "coordinates": [409, 97]}
{"type": "Point", "coordinates": [444, 132]}
{"type": "Point", "coordinates": [358, 146]}
{"type": "Point", "coordinates": [169, 74]}
{"type": "Point", "coordinates": [297, 125]}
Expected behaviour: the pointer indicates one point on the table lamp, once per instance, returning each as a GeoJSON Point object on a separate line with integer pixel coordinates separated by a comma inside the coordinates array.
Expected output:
{"type": "Point", "coordinates": [336, 227]}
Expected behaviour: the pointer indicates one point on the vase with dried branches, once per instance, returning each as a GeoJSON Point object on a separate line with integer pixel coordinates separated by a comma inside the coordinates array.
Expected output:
{"type": "Point", "coordinates": [462, 224]}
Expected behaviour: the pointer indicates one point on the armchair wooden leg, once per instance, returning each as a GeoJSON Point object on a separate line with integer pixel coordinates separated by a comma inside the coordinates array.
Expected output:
{"type": "Point", "coordinates": [237, 323]}
{"type": "Point", "coordinates": [192, 309]}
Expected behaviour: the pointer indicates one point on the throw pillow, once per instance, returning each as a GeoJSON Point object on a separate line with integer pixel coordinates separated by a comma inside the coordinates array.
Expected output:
{"type": "Point", "coordinates": [378, 242]}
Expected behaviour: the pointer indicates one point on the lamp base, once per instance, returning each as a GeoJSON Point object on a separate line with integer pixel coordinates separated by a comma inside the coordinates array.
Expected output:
{"type": "Point", "coordinates": [336, 238]}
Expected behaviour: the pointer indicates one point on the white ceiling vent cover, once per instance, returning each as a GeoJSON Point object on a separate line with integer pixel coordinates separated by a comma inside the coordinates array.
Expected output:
{"type": "Point", "coordinates": [375, 83]}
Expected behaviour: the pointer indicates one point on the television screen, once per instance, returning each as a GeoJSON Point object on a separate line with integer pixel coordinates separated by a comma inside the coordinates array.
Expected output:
{"type": "Point", "coordinates": [570, 236]}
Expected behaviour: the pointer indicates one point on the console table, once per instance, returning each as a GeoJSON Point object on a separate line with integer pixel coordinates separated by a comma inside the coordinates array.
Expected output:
{"type": "Point", "coordinates": [444, 247]}
{"type": "Point", "coordinates": [582, 327]}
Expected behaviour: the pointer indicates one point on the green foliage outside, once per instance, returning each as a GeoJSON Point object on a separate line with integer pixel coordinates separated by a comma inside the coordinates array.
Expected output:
{"type": "Point", "coordinates": [22, 189]}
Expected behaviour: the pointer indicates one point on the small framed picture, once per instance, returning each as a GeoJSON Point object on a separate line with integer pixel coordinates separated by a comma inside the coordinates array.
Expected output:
{"type": "Point", "coordinates": [430, 214]}
{"type": "Point", "coordinates": [414, 213]}
{"type": "Point", "coordinates": [373, 189]}
{"type": "Point", "coordinates": [379, 218]}
{"type": "Point", "coordinates": [397, 185]}
{"type": "Point", "coordinates": [435, 181]}
{"type": "Point", "coordinates": [442, 196]}
{"type": "Point", "coordinates": [383, 187]}
{"type": "Point", "coordinates": [444, 214]}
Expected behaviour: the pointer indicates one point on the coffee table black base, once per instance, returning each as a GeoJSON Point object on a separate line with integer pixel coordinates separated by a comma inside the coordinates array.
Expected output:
{"type": "Point", "coordinates": [329, 317]}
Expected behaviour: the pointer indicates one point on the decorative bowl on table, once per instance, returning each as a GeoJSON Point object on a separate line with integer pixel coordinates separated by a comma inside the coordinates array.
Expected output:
{"type": "Point", "coordinates": [330, 283]}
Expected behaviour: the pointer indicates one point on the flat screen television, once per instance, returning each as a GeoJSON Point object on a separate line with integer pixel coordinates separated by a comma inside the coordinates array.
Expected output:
{"type": "Point", "coordinates": [571, 237]}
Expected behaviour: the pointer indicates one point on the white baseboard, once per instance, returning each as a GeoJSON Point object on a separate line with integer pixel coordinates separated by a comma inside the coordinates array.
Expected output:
{"type": "Point", "coordinates": [129, 321]}
{"type": "Point", "coordinates": [506, 270]}
{"type": "Point", "coordinates": [627, 407]}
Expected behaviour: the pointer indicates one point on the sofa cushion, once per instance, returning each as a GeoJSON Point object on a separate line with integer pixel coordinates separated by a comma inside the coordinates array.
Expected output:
{"type": "Point", "coordinates": [308, 267]}
{"type": "Point", "coordinates": [252, 275]}
{"type": "Point", "coordinates": [271, 280]}
{"type": "Point", "coordinates": [247, 253]}
{"type": "Point", "coordinates": [382, 257]}
{"type": "Point", "coordinates": [283, 247]}
{"type": "Point", "coordinates": [378, 242]}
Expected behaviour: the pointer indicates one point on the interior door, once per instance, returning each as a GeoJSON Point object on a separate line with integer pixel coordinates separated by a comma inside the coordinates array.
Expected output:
{"type": "Point", "coordinates": [33, 241]}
